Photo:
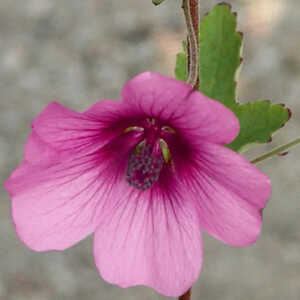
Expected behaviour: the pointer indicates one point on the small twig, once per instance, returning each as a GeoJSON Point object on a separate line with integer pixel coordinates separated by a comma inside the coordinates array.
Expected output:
{"type": "Point", "coordinates": [276, 151]}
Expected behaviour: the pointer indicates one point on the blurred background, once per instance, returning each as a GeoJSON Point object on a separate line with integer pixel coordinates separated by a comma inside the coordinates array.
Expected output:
{"type": "Point", "coordinates": [77, 52]}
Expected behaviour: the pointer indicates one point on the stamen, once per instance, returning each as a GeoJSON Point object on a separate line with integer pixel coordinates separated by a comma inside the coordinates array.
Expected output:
{"type": "Point", "coordinates": [133, 128]}
{"type": "Point", "coordinates": [165, 150]}
{"type": "Point", "coordinates": [168, 129]}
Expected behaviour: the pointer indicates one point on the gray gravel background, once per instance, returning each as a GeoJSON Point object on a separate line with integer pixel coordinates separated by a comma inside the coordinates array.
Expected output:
{"type": "Point", "coordinates": [77, 52]}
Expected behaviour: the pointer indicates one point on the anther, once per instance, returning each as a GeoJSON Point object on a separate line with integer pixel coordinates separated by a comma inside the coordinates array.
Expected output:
{"type": "Point", "coordinates": [134, 128]}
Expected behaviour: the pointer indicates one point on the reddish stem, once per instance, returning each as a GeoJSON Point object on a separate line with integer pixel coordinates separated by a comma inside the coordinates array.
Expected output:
{"type": "Point", "coordinates": [195, 15]}
{"type": "Point", "coordinates": [186, 296]}
{"type": "Point", "coordinates": [191, 12]}
{"type": "Point", "coordinates": [195, 19]}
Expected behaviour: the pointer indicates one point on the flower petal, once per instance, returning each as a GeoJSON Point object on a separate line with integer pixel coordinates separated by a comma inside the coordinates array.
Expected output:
{"type": "Point", "coordinates": [54, 206]}
{"type": "Point", "coordinates": [209, 120]}
{"type": "Point", "coordinates": [149, 240]}
{"type": "Point", "coordinates": [114, 116]}
{"type": "Point", "coordinates": [38, 152]}
{"type": "Point", "coordinates": [237, 174]}
{"type": "Point", "coordinates": [228, 193]}
{"type": "Point", "coordinates": [67, 130]}
{"type": "Point", "coordinates": [155, 95]}
{"type": "Point", "coordinates": [176, 103]}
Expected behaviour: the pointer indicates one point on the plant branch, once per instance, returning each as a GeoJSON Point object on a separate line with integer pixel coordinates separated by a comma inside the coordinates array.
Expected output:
{"type": "Point", "coordinates": [278, 151]}
{"type": "Point", "coordinates": [191, 13]}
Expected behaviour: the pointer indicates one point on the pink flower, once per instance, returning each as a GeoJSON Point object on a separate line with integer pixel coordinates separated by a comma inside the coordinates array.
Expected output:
{"type": "Point", "coordinates": [146, 174]}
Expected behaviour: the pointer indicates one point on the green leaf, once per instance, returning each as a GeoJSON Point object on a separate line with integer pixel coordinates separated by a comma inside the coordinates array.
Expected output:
{"type": "Point", "coordinates": [219, 48]}
{"type": "Point", "coordinates": [181, 65]}
{"type": "Point", "coordinates": [180, 68]}
{"type": "Point", "coordinates": [219, 53]}
{"type": "Point", "coordinates": [157, 2]}
{"type": "Point", "coordinates": [258, 121]}
{"type": "Point", "coordinates": [220, 60]}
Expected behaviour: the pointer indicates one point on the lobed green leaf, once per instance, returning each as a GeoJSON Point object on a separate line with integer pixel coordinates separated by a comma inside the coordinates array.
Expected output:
{"type": "Point", "coordinates": [258, 121]}
{"type": "Point", "coordinates": [219, 46]}
{"type": "Point", "coordinates": [220, 59]}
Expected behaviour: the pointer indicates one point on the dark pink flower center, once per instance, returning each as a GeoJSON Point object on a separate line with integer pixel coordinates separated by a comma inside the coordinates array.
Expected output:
{"type": "Point", "coordinates": [147, 159]}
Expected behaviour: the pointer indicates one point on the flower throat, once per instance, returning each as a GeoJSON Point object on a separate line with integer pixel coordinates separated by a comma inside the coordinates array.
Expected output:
{"type": "Point", "coordinates": [147, 159]}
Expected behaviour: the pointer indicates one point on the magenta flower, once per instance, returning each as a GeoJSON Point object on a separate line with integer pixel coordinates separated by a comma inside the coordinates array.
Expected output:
{"type": "Point", "coordinates": [146, 174]}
